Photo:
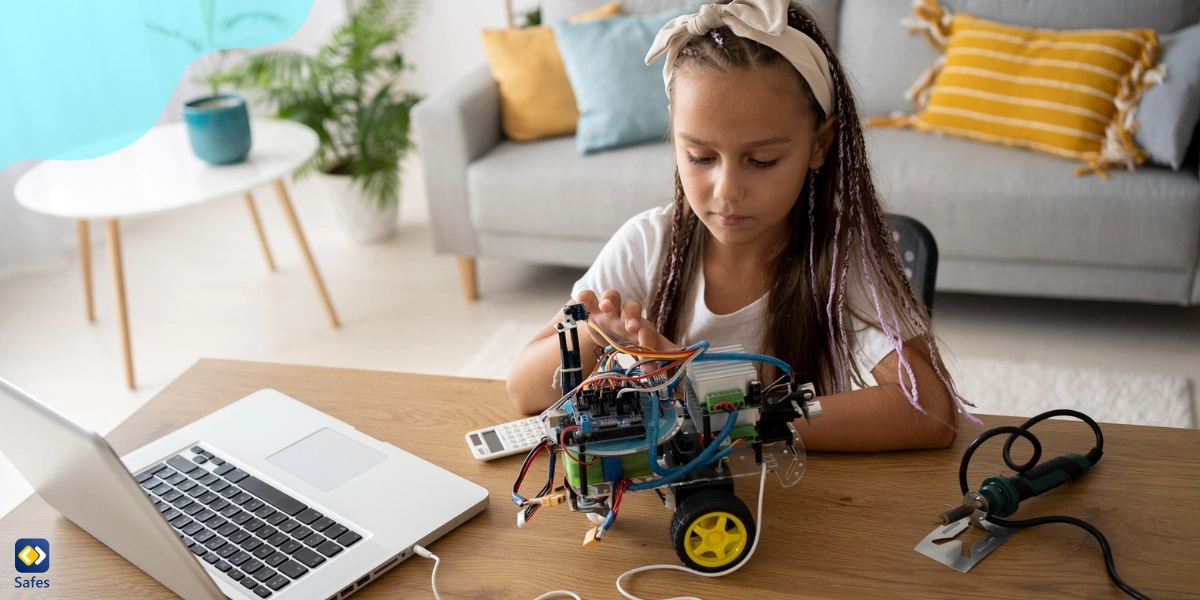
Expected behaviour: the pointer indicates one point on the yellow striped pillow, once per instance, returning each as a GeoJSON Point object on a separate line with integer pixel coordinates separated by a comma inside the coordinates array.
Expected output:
{"type": "Point", "coordinates": [1069, 93]}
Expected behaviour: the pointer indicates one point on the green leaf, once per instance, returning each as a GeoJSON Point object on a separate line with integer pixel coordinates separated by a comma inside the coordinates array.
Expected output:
{"type": "Point", "coordinates": [345, 93]}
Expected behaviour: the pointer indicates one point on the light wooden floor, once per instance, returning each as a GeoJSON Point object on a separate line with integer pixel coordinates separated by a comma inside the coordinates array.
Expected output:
{"type": "Point", "coordinates": [199, 286]}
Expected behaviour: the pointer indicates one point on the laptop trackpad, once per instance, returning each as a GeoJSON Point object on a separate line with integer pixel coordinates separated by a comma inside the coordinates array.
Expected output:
{"type": "Point", "coordinates": [326, 459]}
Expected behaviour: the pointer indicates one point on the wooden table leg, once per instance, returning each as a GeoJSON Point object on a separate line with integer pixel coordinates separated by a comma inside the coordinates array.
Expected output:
{"type": "Point", "coordinates": [467, 274]}
{"type": "Point", "coordinates": [288, 211]}
{"type": "Point", "coordinates": [113, 234]}
{"type": "Point", "coordinates": [85, 260]}
{"type": "Point", "coordinates": [262, 237]}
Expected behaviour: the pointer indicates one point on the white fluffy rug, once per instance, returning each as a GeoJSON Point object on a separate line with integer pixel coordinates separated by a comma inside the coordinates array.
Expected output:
{"type": "Point", "coordinates": [998, 387]}
{"type": "Point", "coordinates": [500, 351]}
{"type": "Point", "coordinates": [1003, 387]}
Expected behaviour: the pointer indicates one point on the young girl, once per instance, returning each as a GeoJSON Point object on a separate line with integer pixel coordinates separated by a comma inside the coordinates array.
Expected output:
{"type": "Point", "coordinates": [776, 239]}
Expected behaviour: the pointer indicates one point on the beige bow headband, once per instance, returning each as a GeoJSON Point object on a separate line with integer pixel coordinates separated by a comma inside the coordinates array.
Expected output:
{"type": "Point", "coordinates": [764, 21]}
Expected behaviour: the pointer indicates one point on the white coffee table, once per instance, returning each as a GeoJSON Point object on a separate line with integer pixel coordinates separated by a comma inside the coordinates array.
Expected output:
{"type": "Point", "coordinates": [159, 173]}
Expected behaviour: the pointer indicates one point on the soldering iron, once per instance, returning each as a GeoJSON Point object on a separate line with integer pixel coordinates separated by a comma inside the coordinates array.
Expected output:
{"type": "Point", "coordinates": [999, 496]}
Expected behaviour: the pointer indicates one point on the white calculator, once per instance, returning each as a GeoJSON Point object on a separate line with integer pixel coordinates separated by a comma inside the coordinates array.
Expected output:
{"type": "Point", "coordinates": [507, 439]}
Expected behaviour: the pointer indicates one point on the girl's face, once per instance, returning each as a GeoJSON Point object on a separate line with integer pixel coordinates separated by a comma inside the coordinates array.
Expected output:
{"type": "Point", "coordinates": [744, 142]}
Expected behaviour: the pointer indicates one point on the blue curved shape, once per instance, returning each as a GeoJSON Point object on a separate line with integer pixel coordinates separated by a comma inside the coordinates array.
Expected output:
{"type": "Point", "coordinates": [745, 356]}
{"type": "Point", "coordinates": [81, 79]}
{"type": "Point", "coordinates": [710, 455]}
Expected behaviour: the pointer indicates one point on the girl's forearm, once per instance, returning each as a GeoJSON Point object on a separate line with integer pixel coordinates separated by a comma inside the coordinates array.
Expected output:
{"type": "Point", "coordinates": [873, 419]}
{"type": "Point", "coordinates": [529, 381]}
{"type": "Point", "coordinates": [879, 418]}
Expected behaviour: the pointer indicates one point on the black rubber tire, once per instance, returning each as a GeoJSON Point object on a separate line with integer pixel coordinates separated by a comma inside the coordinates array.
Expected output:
{"type": "Point", "coordinates": [697, 506]}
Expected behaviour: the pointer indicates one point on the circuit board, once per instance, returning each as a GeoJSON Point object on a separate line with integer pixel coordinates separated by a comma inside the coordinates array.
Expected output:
{"type": "Point", "coordinates": [604, 415]}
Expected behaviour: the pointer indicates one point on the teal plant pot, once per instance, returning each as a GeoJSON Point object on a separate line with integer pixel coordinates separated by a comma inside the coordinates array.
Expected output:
{"type": "Point", "coordinates": [219, 128]}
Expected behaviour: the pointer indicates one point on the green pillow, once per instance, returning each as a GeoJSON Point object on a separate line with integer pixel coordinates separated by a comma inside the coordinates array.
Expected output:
{"type": "Point", "coordinates": [621, 100]}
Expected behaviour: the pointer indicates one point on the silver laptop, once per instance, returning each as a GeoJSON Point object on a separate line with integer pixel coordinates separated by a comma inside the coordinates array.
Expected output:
{"type": "Point", "coordinates": [265, 498]}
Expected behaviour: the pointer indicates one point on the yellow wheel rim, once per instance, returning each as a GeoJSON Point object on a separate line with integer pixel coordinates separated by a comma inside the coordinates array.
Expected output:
{"type": "Point", "coordinates": [715, 539]}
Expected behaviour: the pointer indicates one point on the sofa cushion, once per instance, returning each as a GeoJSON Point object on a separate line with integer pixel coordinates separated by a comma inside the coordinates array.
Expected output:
{"type": "Point", "coordinates": [1069, 93]}
{"type": "Point", "coordinates": [1170, 110]}
{"type": "Point", "coordinates": [536, 100]}
{"type": "Point", "coordinates": [620, 98]}
{"type": "Point", "coordinates": [994, 203]}
{"type": "Point", "coordinates": [884, 60]}
{"type": "Point", "coordinates": [545, 187]}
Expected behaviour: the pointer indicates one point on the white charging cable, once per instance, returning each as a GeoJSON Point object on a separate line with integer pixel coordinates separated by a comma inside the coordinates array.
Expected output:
{"type": "Point", "coordinates": [558, 593]}
{"type": "Point", "coordinates": [757, 535]}
{"type": "Point", "coordinates": [421, 551]}
{"type": "Point", "coordinates": [762, 483]}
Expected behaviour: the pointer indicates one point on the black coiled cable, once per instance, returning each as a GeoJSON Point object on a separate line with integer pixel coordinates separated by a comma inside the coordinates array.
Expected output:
{"type": "Point", "coordinates": [1093, 457]}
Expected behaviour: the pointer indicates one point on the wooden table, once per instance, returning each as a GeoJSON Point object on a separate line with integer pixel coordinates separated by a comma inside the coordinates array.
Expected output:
{"type": "Point", "coordinates": [847, 530]}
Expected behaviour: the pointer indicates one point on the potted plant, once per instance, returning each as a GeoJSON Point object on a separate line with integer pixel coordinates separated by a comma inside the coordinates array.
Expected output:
{"type": "Point", "coordinates": [218, 124]}
{"type": "Point", "coordinates": [347, 94]}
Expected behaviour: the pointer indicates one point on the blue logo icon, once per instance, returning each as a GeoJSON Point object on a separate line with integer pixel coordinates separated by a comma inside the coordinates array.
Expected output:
{"type": "Point", "coordinates": [32, 555]}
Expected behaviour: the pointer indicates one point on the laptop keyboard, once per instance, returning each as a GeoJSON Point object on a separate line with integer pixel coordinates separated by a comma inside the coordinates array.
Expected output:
{"type": "Point", "coordinates": [255, 535]}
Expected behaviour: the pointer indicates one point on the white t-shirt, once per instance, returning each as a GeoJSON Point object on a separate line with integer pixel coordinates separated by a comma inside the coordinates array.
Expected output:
{"type": "Point", "coordinates": [631, 263]}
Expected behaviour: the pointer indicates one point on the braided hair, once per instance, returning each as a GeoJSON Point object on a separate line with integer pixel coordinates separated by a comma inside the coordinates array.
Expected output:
{"type": "Point", "coordinates": [837, 223]}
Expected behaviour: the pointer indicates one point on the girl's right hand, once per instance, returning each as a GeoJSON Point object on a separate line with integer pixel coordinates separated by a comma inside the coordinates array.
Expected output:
{"type": "Point", "coordinates": [622, 321]}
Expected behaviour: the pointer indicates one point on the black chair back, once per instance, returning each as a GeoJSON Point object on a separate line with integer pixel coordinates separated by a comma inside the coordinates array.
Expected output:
{"type": "Point", "coordinates": [919, 252]}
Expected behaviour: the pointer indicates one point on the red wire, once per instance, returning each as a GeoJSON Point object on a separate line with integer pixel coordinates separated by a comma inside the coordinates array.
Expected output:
{"type": "Point", "coordinates": [561, 442]}
{"type": "Point", "coordinates": [644, 349]}
{"type": "Point", "coordinates": [668, 367]}
{"type": "Point", "coordinates": [563, 435]}
{"type": "Point", "coordinates": [621, 485]}
{"type": "Point", "coordinates": [525, 469]}
{"type": "Point", "coordinates": [549, 487]}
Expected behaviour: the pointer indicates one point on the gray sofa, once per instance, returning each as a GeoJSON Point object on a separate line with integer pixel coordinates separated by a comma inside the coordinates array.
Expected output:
{"type": "Point", "coordinates": [1007, 221]}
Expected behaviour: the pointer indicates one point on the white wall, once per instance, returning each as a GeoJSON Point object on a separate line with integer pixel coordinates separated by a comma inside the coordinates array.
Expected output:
{"type": "Point", "coordinates": [30, 241]}
{"type": "Point", "coordinates": [443, 46]}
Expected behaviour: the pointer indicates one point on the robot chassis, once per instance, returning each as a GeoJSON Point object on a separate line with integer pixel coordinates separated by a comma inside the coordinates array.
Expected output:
{"type": "Point", "coordinates": [628, 428]}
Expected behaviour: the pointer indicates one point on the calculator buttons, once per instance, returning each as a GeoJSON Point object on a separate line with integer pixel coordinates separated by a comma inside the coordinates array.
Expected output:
{"type": "Point", "coordinates": [514, 437]}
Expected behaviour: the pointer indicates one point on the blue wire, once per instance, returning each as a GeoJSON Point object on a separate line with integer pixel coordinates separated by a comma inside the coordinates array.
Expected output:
{"type": "Point", "coordinates": [652, 446]}
{"type": "Point", "coordinates": [652, 427]}
{"type": "Point", "coordinates": [678, 473]}
{"type": "Point", "coordinates": [707, 457]}
{"type": "Point", "coordinates": [745, 356]}
{"type": "Point", "coordinates": [682, 471]}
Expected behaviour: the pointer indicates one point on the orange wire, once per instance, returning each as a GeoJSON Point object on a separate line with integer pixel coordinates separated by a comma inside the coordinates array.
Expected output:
{"type": "Point", "coordinates": [633, 350]}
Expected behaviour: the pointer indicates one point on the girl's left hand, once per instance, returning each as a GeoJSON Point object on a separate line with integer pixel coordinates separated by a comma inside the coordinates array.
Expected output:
{"type": "Point", "coordinates": [647, 334]}
{"type": "Point", "coordinates": [626, 318]}
{"type": "Point", "coordinates": [642, 329]}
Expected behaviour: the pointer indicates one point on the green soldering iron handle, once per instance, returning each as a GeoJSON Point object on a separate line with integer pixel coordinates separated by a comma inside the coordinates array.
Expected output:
{"type": "Point", "coordinates": [1004, 494]}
